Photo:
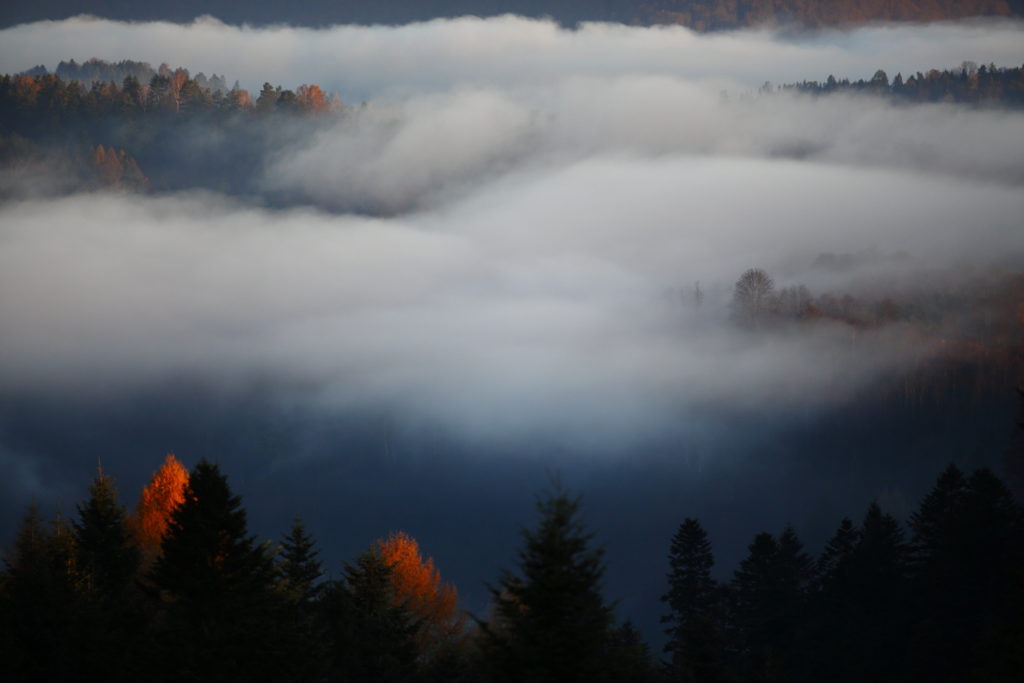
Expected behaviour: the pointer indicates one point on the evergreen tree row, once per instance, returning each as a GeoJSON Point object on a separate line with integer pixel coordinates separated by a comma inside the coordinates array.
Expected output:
{"type": "Point", "coordinates": [970, 84]}
{"type": "Point", "coordinates": [181, 591]}
{"type": "Point", "coordinates": [944, 604]}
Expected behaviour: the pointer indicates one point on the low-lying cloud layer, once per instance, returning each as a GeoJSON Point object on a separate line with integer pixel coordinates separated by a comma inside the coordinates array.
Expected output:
{"type": "Point", "coordinates": [531, 306]}
{"type": "Point", "coordinates": [532, 201]}
{"type": "Point", "coordinates": [427, 149]}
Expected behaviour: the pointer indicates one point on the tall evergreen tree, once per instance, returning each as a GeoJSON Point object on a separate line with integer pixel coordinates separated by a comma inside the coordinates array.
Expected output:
{"type": "Point", "coordinates": [966, 543]}
{"type": "Point", "coordinates": [833, 563]}
{"type": "Point", "coordinates": [299, 567]}
{"type": "Point", "coordinates": [111, 610]}
{"type": "Point", "coordinates": [371, 637]}
{"type": "Point", "coordinates": [217, 583]}
{"type": "Point", "coordinates": [300, 631]}
{"type": "Point", "coordinates": [829, 655]}
{"type": "Point", "coordinates": [770, 588]}
{"type": "Point", "coordinates": [41, 596]}
{"type": "Point", "coordinates": [695, 644]}
{"type": "Point", "coordinates": [875, 599]}
{"type": "Point", "coordinates": [550, 621]}
{"type": "Point", "coordinates": [107, 552]}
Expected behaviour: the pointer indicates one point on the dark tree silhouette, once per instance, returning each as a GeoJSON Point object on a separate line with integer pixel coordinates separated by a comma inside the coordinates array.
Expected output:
{"type": "Point", "coordinates": [41, 605]}
{"type": "Point", "coordinates": [217, 584]}
{"type": "Point", "coordinates": [550, 621]}
{"type": "Point", "coordinates": [111, 610]}
{"type": "Point", "coordinates": [770, 589]}
{"type": "Point", "coordinates": [298, 566]}
{"type": "Point", "coordinates": [107, 552]}
{"type": "Point", "coordinates": [371, 638]}
{"type": "Point", "coordinates": [966, 544]}
{"type": "Point", "coordinates": [1015, 454]}
{"type": "Point", "coordinates": [696, 646]}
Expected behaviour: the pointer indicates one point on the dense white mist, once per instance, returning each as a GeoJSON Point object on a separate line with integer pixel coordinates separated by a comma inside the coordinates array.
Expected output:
{"type": "Point", "coordinates": [426, 149]}
{"type": "Point", "coordinates": [541, 197]}
{"type": "Point", "coordinates": [364, 62]}
{"type": "Point", "coordinates": [534, 305]}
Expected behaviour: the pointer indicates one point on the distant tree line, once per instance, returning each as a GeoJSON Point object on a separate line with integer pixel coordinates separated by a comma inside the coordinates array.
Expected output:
{"type": "Point", "coordinates": [179, 590]}
{"type": "Point", "coordinates": [167, 129]}
{"type": "Point", "coordinates": [967, 332]}
{"type": "Point", "coordinates": [96, 70]}
{"type": "Point", "coordinates": [969, 84]}
{"type": "Point", "coordinates": [34, 103]}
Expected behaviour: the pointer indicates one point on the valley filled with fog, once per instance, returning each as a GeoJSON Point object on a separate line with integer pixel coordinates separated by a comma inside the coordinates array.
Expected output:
{"type": "Point", "coordinates": [512, 249]}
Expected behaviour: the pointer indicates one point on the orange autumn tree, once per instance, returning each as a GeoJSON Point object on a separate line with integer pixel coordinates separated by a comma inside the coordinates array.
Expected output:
{"type": "Point", "coordinates": [165, 492]}
{"type": "Point", "coordinates": [417, 584]}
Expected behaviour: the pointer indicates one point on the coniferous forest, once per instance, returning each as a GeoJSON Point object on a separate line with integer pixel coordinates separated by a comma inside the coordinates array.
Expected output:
{"type": "Point", "coordinates": [178, 589]}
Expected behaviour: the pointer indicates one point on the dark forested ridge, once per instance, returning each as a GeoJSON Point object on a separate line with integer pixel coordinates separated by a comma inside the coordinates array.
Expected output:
{"type": "Point", "coordinates": [702, 15]}
{"type": "Point", "coordinates": [938, 597]}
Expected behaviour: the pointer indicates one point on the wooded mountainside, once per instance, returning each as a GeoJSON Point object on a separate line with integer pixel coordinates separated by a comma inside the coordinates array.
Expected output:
{"type": "Point", "coordinates": [702, 15]}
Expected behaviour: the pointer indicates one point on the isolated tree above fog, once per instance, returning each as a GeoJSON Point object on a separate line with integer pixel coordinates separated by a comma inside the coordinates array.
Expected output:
{"type": "Point", "coordinates": [752, 294]}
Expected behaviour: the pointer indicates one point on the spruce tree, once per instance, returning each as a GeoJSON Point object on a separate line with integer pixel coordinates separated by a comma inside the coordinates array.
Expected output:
{"type": "Point", "coordinates": [695, 644]}
{"type": "Point", "coordinates": [833, 563]}
{"type": "Point", "coordinates": [371, 637]}
{"type": "Point", "coordinates": [966, 547]}
{"type": "Point", "coordinates": [300, 632]}
{"type": "Point", "coordinates": [770, 589]}
{"type": "Point", "coordinates": [550, 621]}
{"type": "Point", "coordinates": [298, 566]}
{"type": "Point", "coordinates": [217, 584]}
{"type": "Point", "coordinates": [42, 600]}
{"type": "Point", "coordinates": [877, 597]}
{"type": "Point", "coordinates": [107, 553]}
{"type": "Point", "coordinates": [829, 656]}
{"type": "Point", "coordinates": [111, 610]}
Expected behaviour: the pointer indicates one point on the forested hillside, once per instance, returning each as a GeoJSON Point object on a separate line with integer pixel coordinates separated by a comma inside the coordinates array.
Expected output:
{"type": "Point", "coordinates": [702, 15]}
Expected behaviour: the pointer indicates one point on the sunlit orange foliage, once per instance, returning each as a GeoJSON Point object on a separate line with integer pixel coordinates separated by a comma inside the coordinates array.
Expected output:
{"type": "Point", "coordinates": [165, 491]}
{"type": "Point", "coordinates": [418, 585]}
{"type": "Point", "coordinates": [312, 98]}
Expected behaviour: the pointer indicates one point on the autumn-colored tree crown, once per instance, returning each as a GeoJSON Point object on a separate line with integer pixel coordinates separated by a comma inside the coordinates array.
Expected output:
{"type": "Point", "coordinates": [165, 492]}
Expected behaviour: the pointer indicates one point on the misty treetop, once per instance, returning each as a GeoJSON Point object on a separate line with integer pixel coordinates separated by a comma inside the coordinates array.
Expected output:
{"type": "Point", "coordinates": [969, 84]}
{"type": "Point", "coordinates": [107, 125]}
